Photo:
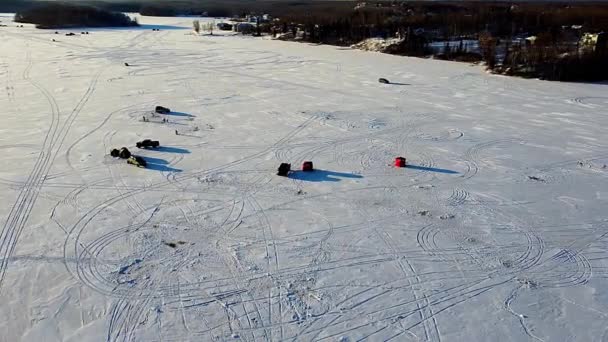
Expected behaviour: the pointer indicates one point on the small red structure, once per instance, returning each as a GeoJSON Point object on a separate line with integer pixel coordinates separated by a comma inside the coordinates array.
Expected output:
{"type": "Point", "coordinates": [307, 166]}
{"type": "Point", "coordinates": [399, 162]}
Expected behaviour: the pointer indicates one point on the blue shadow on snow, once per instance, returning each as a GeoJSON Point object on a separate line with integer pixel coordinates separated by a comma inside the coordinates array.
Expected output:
{"type": "Point", "coordinates": [152, 160]}
{"type": "Point", "coordinates": [180, 114]}
{"type": "Point", "coordinates": [158, 164]}
{"type": "Point", "coordinates": [162, 168]}
{"type": "Point", "coordinates": [321, 176]}
{"type": "Point", "coordinates": [431, 169]}
{"type": "Point", "coordinates": [170, 149]}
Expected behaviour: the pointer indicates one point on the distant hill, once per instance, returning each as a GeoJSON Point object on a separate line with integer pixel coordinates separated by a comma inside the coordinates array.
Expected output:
{"type": "Point", "coordinates": [51, 15]}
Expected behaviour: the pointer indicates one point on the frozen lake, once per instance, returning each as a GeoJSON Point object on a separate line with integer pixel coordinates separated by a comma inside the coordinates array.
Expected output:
{"type": "Point", "coordinates": [495, 231]}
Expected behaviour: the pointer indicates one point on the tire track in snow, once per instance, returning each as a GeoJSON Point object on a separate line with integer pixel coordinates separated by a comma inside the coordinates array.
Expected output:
{"type": "Point", "coordinates": [52, 143]}
{"type": "Point", "coordinates": [591, 102]}
{"type": "Point", "coordinates": [473, 156]}
{"type": "Point", "coordinates": [430, 333]}
{"type": "Point", "coordinates": [76, 231]}
{"type": "Point", "coordinates": [20, 210]}
{"type": "Point", "coordinates": [96, 129]}
{"type": "Point", "coordinates": [274, 266]}
{"type": "Point", "coordinates": [448, 297]}
{"type": "Point", "coordinates": [458, 197]}
{"type": "Point", "coordinates": [520, 317]}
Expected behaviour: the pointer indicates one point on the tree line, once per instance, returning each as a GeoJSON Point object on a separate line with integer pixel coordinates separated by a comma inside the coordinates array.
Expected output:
{"type": "Point", "coordinates": [64, 15]}
{"type": "Point", "coordinates": [500, 29]}
{"type": "Point", "coordinates": [525, 39]}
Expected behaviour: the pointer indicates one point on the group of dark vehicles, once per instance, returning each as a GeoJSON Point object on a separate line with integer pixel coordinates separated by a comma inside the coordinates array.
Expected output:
{"type": "Point", "coordinates": [283, 170]}
{"type": "Point", "coordinates": [138, 161]}
{"type": "Point", "coordinates": [124, 153]}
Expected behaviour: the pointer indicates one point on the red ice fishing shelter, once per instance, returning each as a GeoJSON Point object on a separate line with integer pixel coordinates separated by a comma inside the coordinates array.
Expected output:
{"type": "Point", "coordinates": [307, 166]}
{"type": "Point", "coordinates": [399, 162]}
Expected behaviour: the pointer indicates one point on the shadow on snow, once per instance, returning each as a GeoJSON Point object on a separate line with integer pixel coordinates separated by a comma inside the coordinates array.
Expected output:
{"type": "Point", "coordinates": [321, 176]}
{"type": "Point", "coordinates": [180, 114]}
{"type": "Point", "coordinates": [170, 149]}
{"type": "Point", "coordinates": [431, 169]}
{"type": "Point", "coordinates": [158, 164]}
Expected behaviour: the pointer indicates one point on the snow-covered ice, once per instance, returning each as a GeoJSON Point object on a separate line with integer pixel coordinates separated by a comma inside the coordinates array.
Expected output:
{"type": "Point", "coordinates": [496, 231]}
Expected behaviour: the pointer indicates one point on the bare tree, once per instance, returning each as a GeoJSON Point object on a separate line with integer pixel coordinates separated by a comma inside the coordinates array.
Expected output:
{"type": "Point", "coordinates": [487, 45]}
{"type": "Point", "coordinates": [196, 25]}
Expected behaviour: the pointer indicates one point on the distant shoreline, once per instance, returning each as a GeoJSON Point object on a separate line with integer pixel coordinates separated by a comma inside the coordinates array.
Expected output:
{"type": "Point", "coordinates": [67, 16]}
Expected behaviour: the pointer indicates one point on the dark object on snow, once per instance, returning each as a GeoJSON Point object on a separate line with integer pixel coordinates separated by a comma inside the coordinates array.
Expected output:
{"type": "Point", "coordinates": [383, 80]}
{"type": "Point", "coordinates": [123, 153]}
{"type": "Point", "coordinates": [56, 32]}
{"type": "Point", "coordinates": [147, 143]}
{"type": "Point", "coordinates": [137, 161]}
{"type": "Point", "coordinates": [174, 244]}
{"type": "Point", "coordinates": [126, 64]}
{"type": "Point", "coordinates": [307, 166]}
{"type": "Point", "coordinates": [400, 162]}
{"type": "Point", "coordinates": [224, 27]}
{"type": "Point", "coordinates": [55, 15]}
{"type": "Point", "coordinates": [70, 34]}
{"type": "Point", "coordinates": [536, 178]}
{"type": "Point", "coordinates": [162, 110]}
{"type": "Point", "coordinates": [284, 169]}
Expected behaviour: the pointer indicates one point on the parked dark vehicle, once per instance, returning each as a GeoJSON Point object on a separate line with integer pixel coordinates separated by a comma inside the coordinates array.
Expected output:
{"type": "Point", "coordinates": [147, 143]}
{"type": "Point", "coordinates": [224, 27]}
{"type": "Point", "coordinates": [162, 110]}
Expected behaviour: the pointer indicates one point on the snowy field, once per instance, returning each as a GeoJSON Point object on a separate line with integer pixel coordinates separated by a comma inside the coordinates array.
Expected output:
{"type": "Point", "coordinates": [497, 231]}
